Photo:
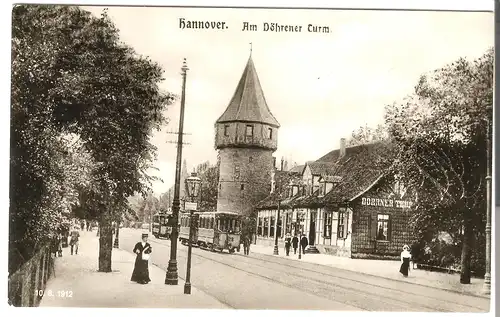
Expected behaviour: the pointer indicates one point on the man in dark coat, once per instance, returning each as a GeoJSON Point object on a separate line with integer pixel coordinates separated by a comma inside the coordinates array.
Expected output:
{"type": "Point", "coordinates": [295, 244]}
{"type": "Point", "coordinates": [246, 244]}
{"type": "Point", "coordinates": [304, 243]}
{"type": "Point", "coordinates": [141, 269]}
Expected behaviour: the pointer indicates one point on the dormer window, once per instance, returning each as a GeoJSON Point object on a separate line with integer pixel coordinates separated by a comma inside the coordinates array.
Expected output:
{"type": "Point", "coordinates": [226, 130]}
{"type": "Point", "coordinates": [399, 188]}
{"type": "Point", "coordinates": [249, 131]}
{"type": "Point", "coordinates": [270, 133]}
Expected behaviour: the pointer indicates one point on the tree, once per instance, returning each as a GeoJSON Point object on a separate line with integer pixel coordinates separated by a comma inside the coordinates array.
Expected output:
{"type": "Point", "coordinates": [441, 134]}
{"type": "Point", "coordinates": [71, 74]}
{"type": "Point", "coordinates": [209, 175]}
{"type": "Point", "coordinates": [364, 135]}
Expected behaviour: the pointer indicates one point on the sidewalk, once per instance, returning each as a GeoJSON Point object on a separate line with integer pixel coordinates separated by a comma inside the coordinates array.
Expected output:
{"type": "Point", "coordinates": [386, 269]}
{"type": "Point", "coordinates": [77, 276]}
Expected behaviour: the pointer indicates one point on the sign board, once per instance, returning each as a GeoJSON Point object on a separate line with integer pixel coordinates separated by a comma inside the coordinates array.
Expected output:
{"type": "Point", "coordinates": [190, 206]}
{"type": "Point", "coordinates": [394, 203]}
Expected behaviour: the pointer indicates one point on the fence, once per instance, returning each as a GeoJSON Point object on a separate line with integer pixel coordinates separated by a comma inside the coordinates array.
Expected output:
{"type": "Point", "coordinates": [27, 285]}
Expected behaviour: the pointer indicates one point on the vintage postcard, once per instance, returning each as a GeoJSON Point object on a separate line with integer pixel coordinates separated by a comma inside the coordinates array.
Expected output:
{"type": "Point", "coordinates": [251, 158]}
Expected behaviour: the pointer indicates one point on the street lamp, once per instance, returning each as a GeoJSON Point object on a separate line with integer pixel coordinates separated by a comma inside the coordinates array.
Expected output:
{"type": "Point", "coordinates": [298, 224]}
{"type": "Point", "coordinates": [172, 277]}
{"type": "Point", "coordinates": [276, 250]}
{"type": "Point", "coordinates": [487, 275]}
{"type": "Point", "coordinates": [117, 235]}
{"type": "Point", "coordinates": [192, 188]}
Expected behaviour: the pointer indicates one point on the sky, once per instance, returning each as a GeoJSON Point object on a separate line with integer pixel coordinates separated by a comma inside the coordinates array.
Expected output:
{"type": "Point", "coordinates": [319, 86]}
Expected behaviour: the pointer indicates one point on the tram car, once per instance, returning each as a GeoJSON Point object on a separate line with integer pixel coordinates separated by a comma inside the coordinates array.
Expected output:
{"type": "Point", "coordinates": [161, 229]}
{"type": "Point", "coordinates": [216, 231]}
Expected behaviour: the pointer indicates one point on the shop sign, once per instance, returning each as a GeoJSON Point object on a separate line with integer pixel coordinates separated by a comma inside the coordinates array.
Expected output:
{"type": "Point", "coordinates": [387, 203]}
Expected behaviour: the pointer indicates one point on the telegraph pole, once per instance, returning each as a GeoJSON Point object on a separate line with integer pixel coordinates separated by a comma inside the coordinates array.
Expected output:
{"type": "Point", "coordinates": [172, 276]}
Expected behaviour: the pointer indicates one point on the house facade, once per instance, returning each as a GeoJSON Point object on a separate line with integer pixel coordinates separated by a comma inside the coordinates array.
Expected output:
{"type": "Point", "coordinates": [346, 204]}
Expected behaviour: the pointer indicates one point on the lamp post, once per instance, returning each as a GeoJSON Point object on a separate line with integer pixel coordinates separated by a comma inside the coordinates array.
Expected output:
{"type": "Point", "coordinates": [117, 241]}
{"type": "Point", "coordinates": [172, 277]}
{"type": "Point", "coordinates": [192, 188]}
{"type": "Point", "coordinates": [299, 221]}
{"type": "Point", "coordinates": [276, 250]}
{"type": "Point", "coordinates": [487, 275]}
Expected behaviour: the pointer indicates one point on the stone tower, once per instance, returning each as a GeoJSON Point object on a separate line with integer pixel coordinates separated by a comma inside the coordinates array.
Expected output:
{"type": "Point", "coordinates": [246, 136]}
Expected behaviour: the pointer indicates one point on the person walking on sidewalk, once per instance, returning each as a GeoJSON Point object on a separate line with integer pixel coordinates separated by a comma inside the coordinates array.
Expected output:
{"type": "Point", "coordinates": [73, 242]}
{"type": "Point", "coordinates": [303, 244]}
{"type": "Point", "coordinates": [246, 244]}
{"type": "Point", "coordinates": [405, 261]}
{"type": "Point", "coordinates": [288, 243]}
{"type": "Point", "coordinates": [295, 243]}
{"type": "Point", "coordinates": [141, 271]}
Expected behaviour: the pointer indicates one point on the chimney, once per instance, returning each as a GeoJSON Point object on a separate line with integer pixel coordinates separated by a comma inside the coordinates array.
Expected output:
{"type": "Point", "coordinates": [282, 161]}
{"type": "Point", "coordinates": [342, 148]}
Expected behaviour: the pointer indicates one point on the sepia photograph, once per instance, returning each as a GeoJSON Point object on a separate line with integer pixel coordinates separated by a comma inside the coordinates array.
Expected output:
{"type": "Point", "coordinates": [285, 159]}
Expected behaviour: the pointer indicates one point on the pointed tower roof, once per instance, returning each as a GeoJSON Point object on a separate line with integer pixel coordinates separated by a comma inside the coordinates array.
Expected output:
{"type": "Point", "coordinates": [248, 103]}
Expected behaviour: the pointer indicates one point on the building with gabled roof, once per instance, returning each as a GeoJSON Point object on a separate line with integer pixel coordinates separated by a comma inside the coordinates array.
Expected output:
{"type": "Point", "coordinates": [348, 203]}
{"type": "Point", "coordinates": [246, 135]}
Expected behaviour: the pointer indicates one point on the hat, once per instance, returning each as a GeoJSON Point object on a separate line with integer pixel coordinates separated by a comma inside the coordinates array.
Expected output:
{"type": "Point", "coordinates": [144, 235]}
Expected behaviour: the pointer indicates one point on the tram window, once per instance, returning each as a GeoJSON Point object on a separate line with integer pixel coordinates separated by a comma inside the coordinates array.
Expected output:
{"type": "Point", "coordinates": [211, 223]}
{"type": "Point", "coordinates": [203, 222]}
{"type": "Point", "coordinates": [233, 224]}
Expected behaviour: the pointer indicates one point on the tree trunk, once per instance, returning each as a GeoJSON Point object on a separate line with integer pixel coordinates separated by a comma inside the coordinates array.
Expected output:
{"type": "Point", "coordinates": [467, 243]}
{"type": "Point", "coordinates": [105, 242]}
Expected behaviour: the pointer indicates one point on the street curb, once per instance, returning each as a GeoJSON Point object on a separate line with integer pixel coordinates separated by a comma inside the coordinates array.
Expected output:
{"type": "Point", "coordinates": [389, 278]}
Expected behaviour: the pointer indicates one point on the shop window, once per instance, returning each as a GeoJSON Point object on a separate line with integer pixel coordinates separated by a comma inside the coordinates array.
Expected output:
{"type": "Point", "coordinates": [383, 228]}
{"type": "Point", "coordinates": [342, 225]}
{"type": "Point", "coordinates": [279, 228]}
{"type": "Point", "coordinates": [266, 227]}
{"type": "Point", "coordinates": [259, 226]}
{"type": "Point", "coordinates": [327, 230]}
{"type": "Point", "coordinates": [271, 233]}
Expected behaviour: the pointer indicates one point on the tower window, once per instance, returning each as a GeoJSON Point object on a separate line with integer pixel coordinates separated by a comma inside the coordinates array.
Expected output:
{"type": "Point", "coordinates": [270, 133]}
{"type": "Point", "coordinates": [242, 186]}
{"type": "Point", "coordinates": [249, 130]}
{"type": "Point", "coordinates": [250, 159]}
{"type": "Point", "coordinates": [226, 130]}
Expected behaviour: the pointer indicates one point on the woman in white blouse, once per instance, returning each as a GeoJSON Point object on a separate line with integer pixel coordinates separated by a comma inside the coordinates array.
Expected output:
{"type": "Point", "coordinates": [405, 261]}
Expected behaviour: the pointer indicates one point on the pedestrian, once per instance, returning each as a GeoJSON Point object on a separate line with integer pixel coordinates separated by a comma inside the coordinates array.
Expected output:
{"type": "Point", "coordinates": [405, 261]}
{"type": "Point", "coordinates": [288, 244]}
{"type": "Point", "coordinates": [141, 271]}
{"type": "Point", "coordinates": [82, 225]}
{"type": "Point", "coordinates": [57, 244]}
{"type": "Point", "coordinates": [73, 241]}
{"type": "Point", "coordinates": [303, 244]}
{"type": "Point", "coordinates": [246, 244]}
{"type": "Point", "coordinates": [295, 243]}
{"type": "Point", "coordinates": [88, 225]}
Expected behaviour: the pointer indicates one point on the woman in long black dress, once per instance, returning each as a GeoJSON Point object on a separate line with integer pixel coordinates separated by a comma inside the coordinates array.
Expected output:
{"type": "Point", "coordinates": [141, 270]}
{"type": "Point", "coordinates": [405, 261]}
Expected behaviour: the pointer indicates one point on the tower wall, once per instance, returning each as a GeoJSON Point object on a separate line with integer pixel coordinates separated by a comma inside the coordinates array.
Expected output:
{"type": "Point", "coordinates": [244, 179]}
{"type": "Point", "coordinates": [234, 134]}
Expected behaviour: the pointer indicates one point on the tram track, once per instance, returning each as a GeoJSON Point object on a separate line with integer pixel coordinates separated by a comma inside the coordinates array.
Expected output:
{"type": "Point", "coordinates": [372, 294]}
{"type": "Point", "coordinates": [268, 259]}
